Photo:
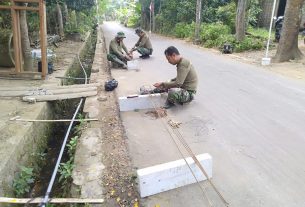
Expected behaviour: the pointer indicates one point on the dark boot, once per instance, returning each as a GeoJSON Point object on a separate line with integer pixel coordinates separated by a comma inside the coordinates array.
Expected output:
{"type": "Point", "coordinates": [168, 105]}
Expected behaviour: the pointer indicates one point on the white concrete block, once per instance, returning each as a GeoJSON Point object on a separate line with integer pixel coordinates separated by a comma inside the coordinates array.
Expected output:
{"type": "Point", "coordinates": [171, 175]}
{"type": "Point", "coordinates": [132, 102]}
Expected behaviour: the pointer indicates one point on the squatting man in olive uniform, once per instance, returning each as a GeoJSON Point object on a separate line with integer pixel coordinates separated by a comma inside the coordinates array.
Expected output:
{"type": "Point", "coordinates": [143, 46]}
{"type": "Point", "coordinates": [182, 88]}
{"type": "Point", "coordinates": [116, 54]}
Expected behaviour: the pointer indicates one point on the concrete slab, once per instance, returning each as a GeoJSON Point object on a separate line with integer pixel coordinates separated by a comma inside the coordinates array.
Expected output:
{"type": "Point", "coordinates": [171, 175]}
{"type": "Point", "coordinates": [134, 102]}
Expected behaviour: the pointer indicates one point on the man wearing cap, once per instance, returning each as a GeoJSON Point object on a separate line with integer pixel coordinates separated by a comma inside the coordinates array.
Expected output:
{"type": "Point", "coordinates": [182, 88]}
{"type": "Point", "coordinates": [143, 46]}
{"type": "Point", "coordinates": [116, 54]}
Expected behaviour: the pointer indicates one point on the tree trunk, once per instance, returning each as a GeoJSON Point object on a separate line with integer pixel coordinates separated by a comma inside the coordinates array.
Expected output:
{"type": "Point", "coordinates": [144, 19]}
{"type": "Point", "coordinates": [198, 21]}
{"type": "Point", "coordinates": [240, 21]}
{"type": "Point", "coordinates": [288, 47]}
{"type": "Point", "coordinates": [60, 21]}
{"type": "Point", "coordinates": [25, 42]}
{"type": "Point", "coordinates": [66, 14]}
{"type": "Point", "coordinates": [265, 15]}
{"type": "Point", "coordinates": [153, 14]}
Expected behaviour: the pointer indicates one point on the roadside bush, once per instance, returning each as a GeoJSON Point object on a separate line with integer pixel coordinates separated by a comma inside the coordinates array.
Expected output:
{"type": "Point", "coordinates": [163, 26]}
{"type": "Point", "coordinates": [227, 14]}
{"type": "Point", "coordinates": [249, 44]}
{"type": "Point", "coordinates": [216, 35]}
{"type": "Point", "coordinates": [211, 32]}
{"type": "Point", "coordinates": [259, 32]}
{"type": "Point", "coordinates": [22, 183]}
{"type": "Point", "coordinates": [183, 30]}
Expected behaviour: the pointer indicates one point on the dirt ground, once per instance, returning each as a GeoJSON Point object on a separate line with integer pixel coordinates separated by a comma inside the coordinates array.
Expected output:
{"type": "Point", "coordinates": [294, 69]}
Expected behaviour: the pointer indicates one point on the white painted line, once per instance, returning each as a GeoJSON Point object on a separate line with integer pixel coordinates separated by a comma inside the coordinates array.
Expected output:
{"type": "Point", "coordinates": [171, 175]}
{"type": "Point", "coordinates": [133, 102]}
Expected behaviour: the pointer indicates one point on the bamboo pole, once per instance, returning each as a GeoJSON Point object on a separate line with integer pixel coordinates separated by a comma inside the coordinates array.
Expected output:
{"type": "Point", "coordinates": [49, 120]}
{"type": "Point", "coordinates": [44, 92]}
{"type": "Point", "coordinates": [43, 38]}
{"type": "Point", "coordinates": [51, 87]}
{"type": "Point", "coordinates": [51, 200]}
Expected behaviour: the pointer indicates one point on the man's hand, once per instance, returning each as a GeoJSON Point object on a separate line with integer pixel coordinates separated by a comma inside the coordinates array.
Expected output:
{"type": "Point", "coordinates": [133, 49]}
{"type": "Point", "coordinates": [158, 85]}
{"type": "Point", "coordinates": [127, 57]}
{"type": "Point", "coordinates": [130, 55]}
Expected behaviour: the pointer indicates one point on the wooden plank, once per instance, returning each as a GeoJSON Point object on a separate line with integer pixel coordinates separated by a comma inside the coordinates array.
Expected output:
{"type": "Point", "coordinates": [43, 37]}
{"type": "Point", "coordinates": [23, 75]}
{"type": "Point", "coordinates": [19, 40]}
{"type": "Point", "coordinates": [19, 8]}
{"type": "Point", "coordinates": [42, 92]}
{"type": "Point", "coordinates": [27, 1]}
{"type": "Point", "coordinates": [51, 200]}
{"type": "Point", "coordinates": [171, 175]}
{"type": "Point", "coordinates": [48, 87]}
{"type": "Point", "coordinates": [58, 97]}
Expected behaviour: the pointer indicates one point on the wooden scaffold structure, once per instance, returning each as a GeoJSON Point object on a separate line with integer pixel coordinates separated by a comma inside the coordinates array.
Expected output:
{"type": "Point", "coordinates": [37, 6]}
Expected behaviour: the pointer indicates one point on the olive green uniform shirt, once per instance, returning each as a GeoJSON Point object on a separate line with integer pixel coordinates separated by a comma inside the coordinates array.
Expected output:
{"type": "Point", "coordinates": [186, 77]}
{"type": "Point", "coordinates": [144, 41]}
{"type": "Point", "coordinates": [117, 48]}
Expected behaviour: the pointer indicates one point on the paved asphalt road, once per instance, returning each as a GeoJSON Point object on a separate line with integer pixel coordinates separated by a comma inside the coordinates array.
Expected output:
{"type": "Point", "coordinates": [250, 120]}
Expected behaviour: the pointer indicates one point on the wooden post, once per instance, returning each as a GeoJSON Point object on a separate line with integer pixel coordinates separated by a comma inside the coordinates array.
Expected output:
{"type": "Point", "coordinates": [43, 37]}
{"type": "Point", "coordinates": [16, 39]}
{"type": "Point", "coordinates": [19, 38]}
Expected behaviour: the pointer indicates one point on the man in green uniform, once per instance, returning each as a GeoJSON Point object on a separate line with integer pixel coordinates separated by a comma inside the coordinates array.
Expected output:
{"type": "Point", "coordinates": [182, 88]}
{"type": "Point", "coordinates": [116, 48]}
{"type": "Point", "coordinates": [143, 46]}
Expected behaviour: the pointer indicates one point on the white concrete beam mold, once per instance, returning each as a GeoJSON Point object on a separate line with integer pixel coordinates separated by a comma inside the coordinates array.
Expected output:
{"type": "Point", "coordinates": [133, 102]}
{"type": "Point", "coordinates": [171, 175]}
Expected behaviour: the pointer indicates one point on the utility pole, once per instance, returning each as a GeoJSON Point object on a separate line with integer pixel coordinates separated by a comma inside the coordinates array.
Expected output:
{"type": "Point", "coordinates": [198, 21]}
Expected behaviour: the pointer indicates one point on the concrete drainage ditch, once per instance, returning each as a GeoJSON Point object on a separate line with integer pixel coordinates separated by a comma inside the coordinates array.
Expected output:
{"type": "Point", "coordinates": [29, 171]}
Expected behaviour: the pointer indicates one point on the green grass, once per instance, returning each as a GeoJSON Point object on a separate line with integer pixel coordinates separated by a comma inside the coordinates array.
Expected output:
{"type": "Point", "coordinates": [260, 32]}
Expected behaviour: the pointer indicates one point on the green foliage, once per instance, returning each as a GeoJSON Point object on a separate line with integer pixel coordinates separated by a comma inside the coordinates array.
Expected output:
{"type": "Point", "coordinates": [39, 159]}
{"type": "Point", "coordinates": [253, 11]}
{"type": "Point", "coordinates": [80, 5]}
{"type": "Point", "coordinates": [72, 146]}
{"type": "Point", "coordinates": [79, 22]}
{"type": "Point", "coordinates": [227, 14]}
{"type": "Point", "coordinates": [216, 35]}
{"type": "Point", "coordinates": [65, 171]}
{"type": "Point", "coordinates": [259, 32]}
{"type": "Point", "coordinates": [33, 22]}
{"type": "Point", "coordinates": [248, 44]}
{"type": "Point", "coordinates": [183, 30]}
{"type": "Point", "coordinates": [78, 128]}
{"type": "Point", "coordinates": [134, 18]}
{"type": "Point", "coordinates": [22, 184]}
{"type": "Point", "coordinates": [211, 32]}
{"type": "Point", "coordinates": [209, 9]}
